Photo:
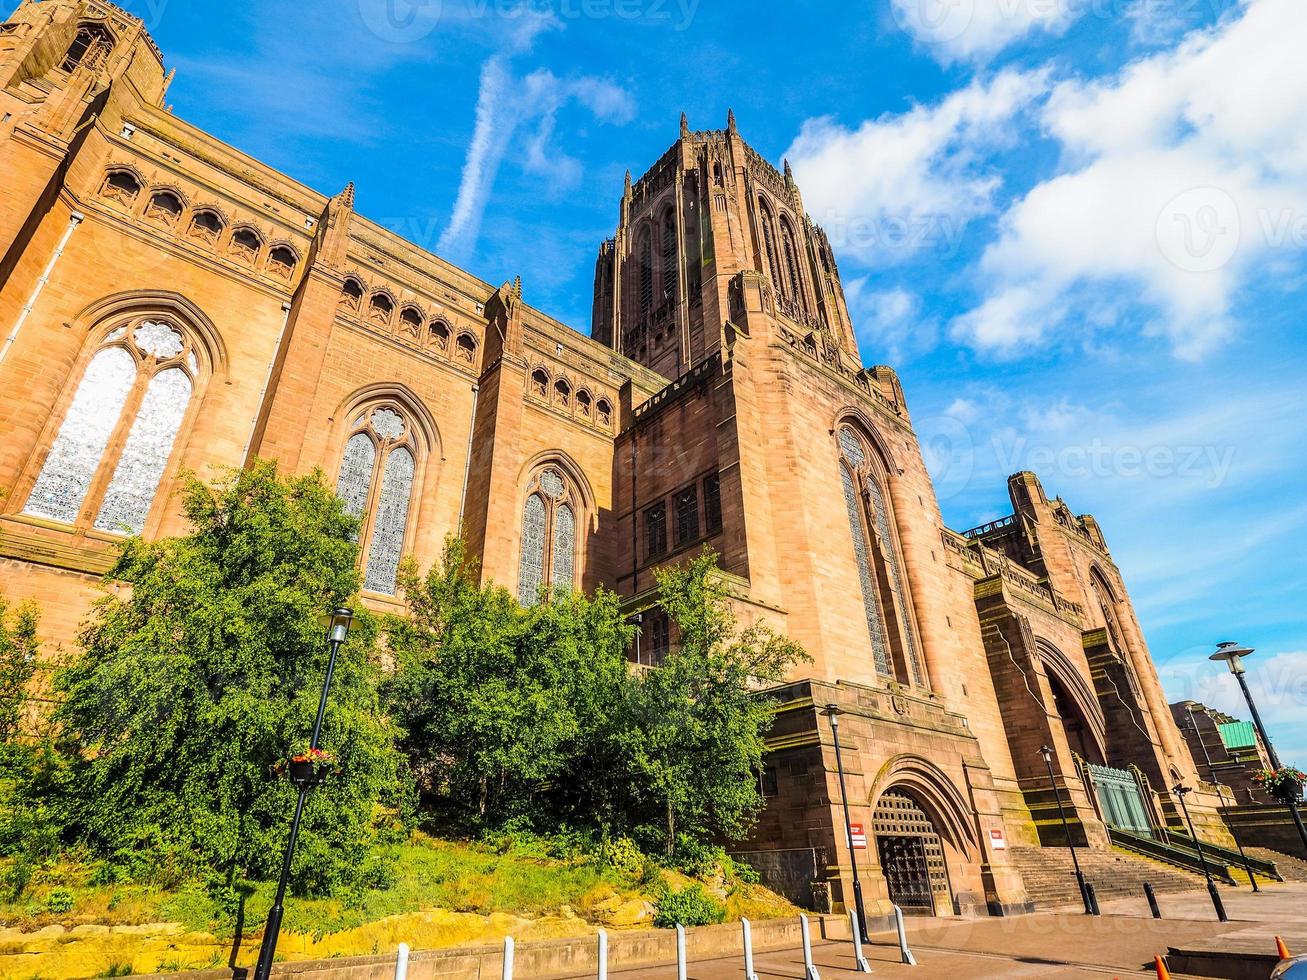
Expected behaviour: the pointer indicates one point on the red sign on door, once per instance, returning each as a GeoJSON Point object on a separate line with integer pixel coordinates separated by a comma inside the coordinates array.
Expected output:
{"type": "Point", "coordinates": [859, 836]}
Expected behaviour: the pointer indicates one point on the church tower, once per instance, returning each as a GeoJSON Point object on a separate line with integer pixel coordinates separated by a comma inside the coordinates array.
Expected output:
{"type": "Point", "coordinates": [712, 208]}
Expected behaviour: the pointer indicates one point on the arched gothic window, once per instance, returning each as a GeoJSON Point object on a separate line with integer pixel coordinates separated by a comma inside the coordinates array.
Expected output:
{"type": "Point", "coordinates": [875, 550]}
{"type": "Point", "coordinates": [164, 207]}
{"type": "Point", "coordinates": [671, 257]}
{"type": "Point", "coordinates": [206, 225]}
{"type": "Point", "coordinates": [549, 536]}
{"type": "Point", "coordinates": [92, 43]}
{"type": "Point", "coordinates": [376, 483]}
{"type": "Point", "coordinates": [351, 294]}
{"type": "Point", "coordinates": [793, 279]}
{"type": "Point", "coordinates": [440, 335]}
{"type": "Point", "coordinates": [769, 243]}
{"type": "Point", "coordinates": [108, 460]}
{"type": "Point", "coordinates": [645, 261]}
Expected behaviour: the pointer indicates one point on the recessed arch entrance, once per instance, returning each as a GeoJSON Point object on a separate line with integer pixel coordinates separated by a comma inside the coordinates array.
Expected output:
{"type": "Point", "coordinates": [924, 836]}
{"type": "Point", "coordinates": [911, 854]}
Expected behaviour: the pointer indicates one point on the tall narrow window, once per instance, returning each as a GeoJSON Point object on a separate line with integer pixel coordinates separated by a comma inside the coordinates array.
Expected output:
{"type": "Point", "coordinates": [773, 268]}
{"type": "Point", "coordinates": [793, 280]}
{"type": "Point", "coordinates": [377, 475]}
{"type": "Point", "coordinates": [90, 45]}
{"type": "Point", "coordinates": [712, 502]}
{"type": "Point", "coordinates": [108, 460]}
{"type": "Point", "coordinates": [671, 258]}
{"type": "Point", "coordinates": [884, 594]}
{"type": "Point", "coordinates": [549, 536]}
{"type": "Point", "coordinates": [645, 261]}
{"type": "Point", "coordinates": [687, 515]}
{"type": "Point", "coordinates": [655, 531]}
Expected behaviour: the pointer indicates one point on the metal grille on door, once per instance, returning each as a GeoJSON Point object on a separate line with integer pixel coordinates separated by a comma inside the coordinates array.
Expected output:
{"type": "Point", "coordinates": [911, 854]}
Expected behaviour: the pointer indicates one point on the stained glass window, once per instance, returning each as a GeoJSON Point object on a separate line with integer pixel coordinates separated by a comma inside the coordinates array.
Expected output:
{"type": "Point", "coordinates": [866, 576]}
{"type": "Point", "coordinates": [549, 537]}
{"type": "Point", "coordinates": [531, 574]}
{"type": "Point", "coordinates": [564, 548]}
{"type": "Point", "coordinates": [852, 447]}
{"type": "Point", "coordinates": [387, 424]}
{"type": "Point", "coordinates": [896, 577]}
{"type": "Point", "coordinates": [376, 481]}
{"type": "Point", "coordinates": [145, 455]}
{"type": "Point", "coordinates": [392, 521]}
{"type": "Point", "coordinates": [76, 453]}
{"type": "Point", "coordinates": [355, 483]}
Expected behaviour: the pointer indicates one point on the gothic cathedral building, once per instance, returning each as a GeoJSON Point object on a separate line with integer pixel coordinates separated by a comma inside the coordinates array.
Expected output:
{"type": "Point", "coordinates": [170, 304]}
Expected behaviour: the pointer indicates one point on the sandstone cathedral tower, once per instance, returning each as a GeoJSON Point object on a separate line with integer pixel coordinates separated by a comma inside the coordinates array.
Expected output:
{"type": "Point", "coordinates": [168, 303]}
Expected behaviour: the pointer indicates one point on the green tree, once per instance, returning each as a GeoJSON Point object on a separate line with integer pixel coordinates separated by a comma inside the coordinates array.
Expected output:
{"type": "Point", "coordinates": [500, 704]}
{"type": "Point", "coordinates": [199, 678]}
{"type": "Point", "coordinates": [18, 651]}
{"type": "Point", "coordinates": [695, 729]}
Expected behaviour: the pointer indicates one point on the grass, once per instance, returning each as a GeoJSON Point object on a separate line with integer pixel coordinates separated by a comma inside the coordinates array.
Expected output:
{"type": "Point", "coordinates": [460, 877]}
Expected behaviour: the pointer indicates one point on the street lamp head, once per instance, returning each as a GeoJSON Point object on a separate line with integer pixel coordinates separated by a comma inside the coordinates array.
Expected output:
{"type": "Point", "coordinates": [340, 622]}
{"type": "Point", "coordinates": [833, 712]}
{"type": "Point", "coordinates": [1181, 790]}
{"type": "Point", "coordinates": [1232, 654]}
{"type": "Point", "coordinates": [1047, 753]}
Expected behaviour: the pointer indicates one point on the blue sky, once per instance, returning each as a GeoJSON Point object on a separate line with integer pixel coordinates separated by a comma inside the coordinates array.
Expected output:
{"type": "Point", "coordinates": [1076, 227]}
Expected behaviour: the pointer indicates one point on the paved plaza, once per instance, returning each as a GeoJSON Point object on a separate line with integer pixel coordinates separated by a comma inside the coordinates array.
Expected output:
{"type": "Point", "coordinates": [1048, 944]}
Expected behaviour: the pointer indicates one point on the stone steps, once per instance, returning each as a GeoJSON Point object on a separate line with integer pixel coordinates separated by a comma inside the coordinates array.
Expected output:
{"type": "Point", "coordinates": [1050, 876]}
{"type": "Point", "coordinates": [1291, 868]}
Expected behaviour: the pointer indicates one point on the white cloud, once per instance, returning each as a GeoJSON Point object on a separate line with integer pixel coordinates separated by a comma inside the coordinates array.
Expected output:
{"type": "Point", "coordinates": [1187, 170]}
{"type": "Point", "coordinates": [903, 185]}
{"type": "Point", "coordinates": [528, 107]}
{"type": "Point", "coordinates": [889, 321]}
{"type": "Point", "coordinates": [973, 30]}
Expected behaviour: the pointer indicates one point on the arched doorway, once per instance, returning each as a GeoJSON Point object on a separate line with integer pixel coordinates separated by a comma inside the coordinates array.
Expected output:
{"type": "Point", "coordinates": [1079, 735]}
{"type": "Point", "coordinates": [911, 854]}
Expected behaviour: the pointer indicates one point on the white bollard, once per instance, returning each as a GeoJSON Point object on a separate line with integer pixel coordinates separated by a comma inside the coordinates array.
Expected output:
{"type": "Point", "coordinates": [509, 950]}
{"type": "Point", "coordinates": [809, 968]}
{"type": "Point", "coordinates": [603, 955]}
{"type": "Point", "coordinates": [680, 953]}
{"type": "Point", "coordinates": [401, 964]}
{"type": "Point", "coordinates": [862, 966]}
{"type": "Point", "coordinates": [906, 953]}
{"type": "Point", "coordinates": [749, 973]}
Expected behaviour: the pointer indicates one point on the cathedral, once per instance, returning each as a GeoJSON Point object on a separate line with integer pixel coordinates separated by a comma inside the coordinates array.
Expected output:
{"type": "Point", "coordinates": [169, 304]}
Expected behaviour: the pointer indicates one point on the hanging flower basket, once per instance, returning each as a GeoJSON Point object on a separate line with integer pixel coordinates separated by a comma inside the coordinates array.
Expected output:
{"type": "Point", "coordinates": [311, 768]}
{"type": "Point", "coordinates": [1284, 784]}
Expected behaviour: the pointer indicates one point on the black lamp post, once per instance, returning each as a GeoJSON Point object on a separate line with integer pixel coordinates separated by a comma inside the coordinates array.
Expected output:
{"type": "Point", "coordinates": [1090, 905]}
{"type": "Point", "coordinates": [833, 712]}
{"type": "Point", "coordinates": [1198, 734]}
{"type": "Point", "coordinates": [1181, 792]}
{"type": "Point", "coordinates": [1232, 654]}
{"type": "Point", "coordinates": [339, 630]}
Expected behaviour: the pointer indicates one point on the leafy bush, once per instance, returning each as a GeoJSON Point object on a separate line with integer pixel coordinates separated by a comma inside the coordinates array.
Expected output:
{"type": "Point", "coordinates": [696, 859]}
{"type": "Point", "coordinates": [60, 902]}
{"type": "Point", "coordinates": [746, 873]}
{"type": "Point", "coordinates": [689, 907]}
{"type": "Point", "coordinates": [624, 857]}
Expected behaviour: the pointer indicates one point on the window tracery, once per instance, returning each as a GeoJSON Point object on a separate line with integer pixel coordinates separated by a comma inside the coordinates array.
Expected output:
{"type": "Point", "coordinates": [671, 258]}
{"type": "Point", "coordinates": [604, 410]}
{"type": "Point", "coordinates": [351, 294]}
{"type": "Point", "coordinates": [550, 525]}
{"type": "Point", "coordinates": [646, 272]}
{"type": "Point", "coordinates": [122, 186]}
{"type": "Point", "coordinates": [206, 225]}
{"type": "Point", "coordinates": [466, 348]}
{"type": "Point", "coordinates": [584, 404]}
{"type": "Point", "coordinates": [108, 460]}
{"type": "Point", "coordinates": [794, 280]}
{"type": "Point", "coordinates": [245, 245]}
{"type": "Point", "coordinates": [165, 207]}
{"type": "Point", "coordinates": [440, 335]}
{"type": "Point", "coordinates": [377, 477]}
{"type": "Point", "coordinates": [92, 43]}
{"type": "Point", "coordinates": [282, 261]}
{"type": "Point", "coordinates": [563, 394]}
{"type": "Point", "coordinates": [886, 603]}
{"type": "Point", "coordinates": [769, 243]}
{"type": "Point", "coordinates": [381, 309]}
